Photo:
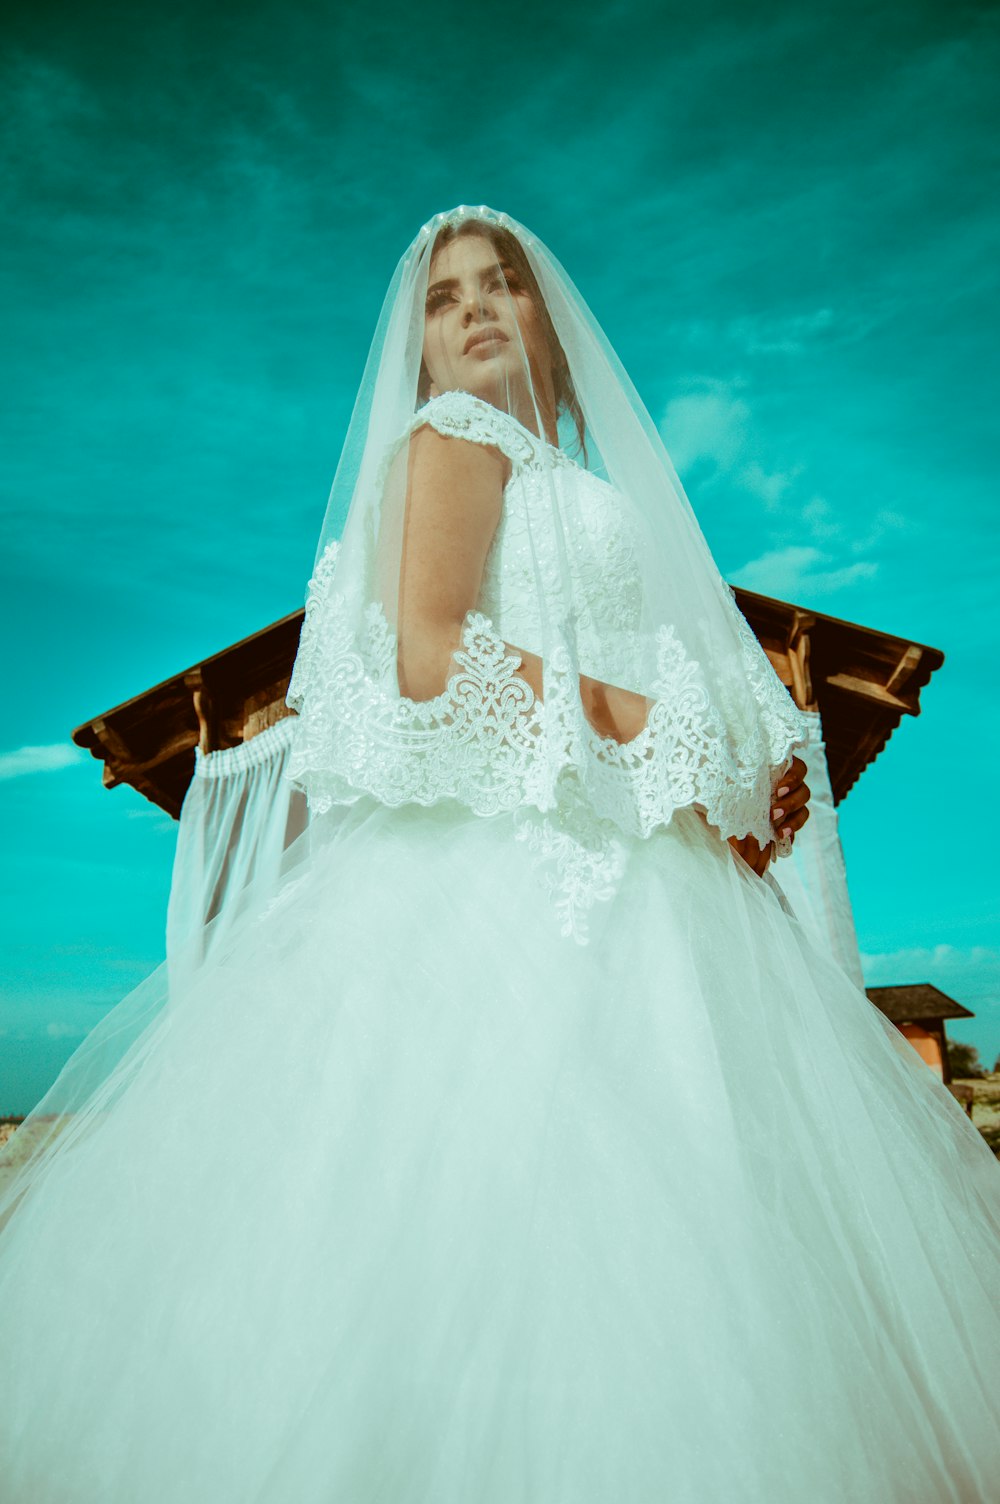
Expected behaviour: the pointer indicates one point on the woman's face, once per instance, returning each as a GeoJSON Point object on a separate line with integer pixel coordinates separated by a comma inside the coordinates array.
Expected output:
{"type": "Point", "coordinates": [479, 325]}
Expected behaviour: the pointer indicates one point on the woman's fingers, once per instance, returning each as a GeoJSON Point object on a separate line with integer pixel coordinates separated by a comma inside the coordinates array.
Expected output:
{"type": "Point", "coordinates": [756, 857]}
{"type": "Point", "coordinates": [787, 804]}
{"type": "Point", "coordinates": [791, 780]}
{"type": "Point", "coordinates": [790, 806]}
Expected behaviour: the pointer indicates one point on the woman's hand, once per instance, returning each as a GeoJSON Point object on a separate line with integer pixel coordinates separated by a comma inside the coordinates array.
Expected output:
{"type": "Point", "coordinates": [757, 857]}
{"type": "Point", "coordinates": [790, 805]}
{"type": "Point", "coordinates": [789, 812]}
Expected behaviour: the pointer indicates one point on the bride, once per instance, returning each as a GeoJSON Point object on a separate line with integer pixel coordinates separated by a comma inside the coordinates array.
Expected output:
{"type": "Point", "coordinates": [515, 1147]}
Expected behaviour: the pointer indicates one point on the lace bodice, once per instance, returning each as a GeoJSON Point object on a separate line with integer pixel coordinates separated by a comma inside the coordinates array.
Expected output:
{"type": "Point", "coordinates": [562, 551]}
{"type": "Point", "coordinates": [604, 581]}
{"type": "Point", "coordinates": [596, 543]}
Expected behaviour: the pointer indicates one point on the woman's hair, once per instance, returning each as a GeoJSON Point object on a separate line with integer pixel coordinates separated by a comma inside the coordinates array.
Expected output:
{"type": "Point", "coordinates": [510, 252]}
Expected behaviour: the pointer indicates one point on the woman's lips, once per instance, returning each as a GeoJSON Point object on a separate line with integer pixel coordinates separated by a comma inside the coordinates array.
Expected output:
{"type": "Point", "coordinates": [484, 337]}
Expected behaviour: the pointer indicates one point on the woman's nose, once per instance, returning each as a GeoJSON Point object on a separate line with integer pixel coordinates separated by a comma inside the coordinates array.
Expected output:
{"type": "Point", "coordinates": [475, 305]}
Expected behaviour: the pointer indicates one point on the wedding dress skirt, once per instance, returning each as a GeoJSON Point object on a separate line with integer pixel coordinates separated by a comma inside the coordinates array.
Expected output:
{"type": "Point", "coordinates": [405, 1198]}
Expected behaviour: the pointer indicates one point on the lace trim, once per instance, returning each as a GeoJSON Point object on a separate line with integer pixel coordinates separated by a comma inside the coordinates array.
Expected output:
{"type": "Point", "coordinates": [460, 415]}
{"type": "Point", "coordinates": [474, 742]}
{"type": "Point", "coordinates": [581, 859]}
{"type": "Point", "coordinates": [307, 656]}
{"type": "Point", "coordinates": [488, 742]}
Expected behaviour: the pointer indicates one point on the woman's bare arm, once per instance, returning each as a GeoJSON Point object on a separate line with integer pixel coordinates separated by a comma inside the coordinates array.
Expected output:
{"type": "Point", "coordinates": [454, 499]}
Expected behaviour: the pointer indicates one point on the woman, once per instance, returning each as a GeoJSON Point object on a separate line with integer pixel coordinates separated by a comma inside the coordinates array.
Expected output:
{"type": "Point", "coordinates": [584, 1178]}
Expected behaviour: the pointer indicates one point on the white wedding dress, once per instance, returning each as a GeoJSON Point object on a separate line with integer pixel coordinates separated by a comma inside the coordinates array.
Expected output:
{"type": "Point", "coordinates": [408, 1198]}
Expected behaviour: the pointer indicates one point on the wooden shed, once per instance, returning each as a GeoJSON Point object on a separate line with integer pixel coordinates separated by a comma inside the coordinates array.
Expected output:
{"type": "Point", "coordinates": [919, 1012]}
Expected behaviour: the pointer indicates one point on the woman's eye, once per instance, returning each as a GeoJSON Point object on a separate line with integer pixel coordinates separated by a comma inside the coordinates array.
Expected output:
{"type": "Point", "coordinates": [437, 298]}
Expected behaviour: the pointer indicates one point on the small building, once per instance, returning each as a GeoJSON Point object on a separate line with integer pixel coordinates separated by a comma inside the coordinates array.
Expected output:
{"type": "Point", "coordinates": [919, 1011]}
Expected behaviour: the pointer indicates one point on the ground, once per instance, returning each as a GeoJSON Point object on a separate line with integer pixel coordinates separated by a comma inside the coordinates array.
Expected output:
{"type": "Point", "coordinates": [985, 1095]}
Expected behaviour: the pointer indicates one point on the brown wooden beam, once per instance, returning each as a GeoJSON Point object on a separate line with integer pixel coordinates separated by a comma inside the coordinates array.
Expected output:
{"type": "Point", "coordinates": [204, 709]}
{"type": "Point", "coordinates": [176, 746]}
{"type": "Point", "coordinates": [125, 767]}
{"type": "Point", "coordinates": [904, 670]}
{"type": "Point", "coordinates": [799, 650]}
{"type": "Point", "coordinates": [869, 690]}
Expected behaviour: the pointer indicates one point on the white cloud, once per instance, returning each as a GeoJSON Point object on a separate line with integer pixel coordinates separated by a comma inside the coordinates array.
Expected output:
{"type": "Point", "coordinates": [774, 333]}
{"type": "Point", "coordinates": [713, 426]}
{"type": "Point", "coordinates": [56, 1030]}
{"type": "Point", "coordinates": [50, 759]}
{"type": "Point", "coordinates": [781, 336]}
{"type": "Point", "coordinates": [978, 967]}
{"type": "Point", "coordinates": [799, 573]}
{"type": "Point", "coordinates": [152, 815]}
{"type": "Point", "coordinates": [706, 425]}
{"type": "Point", "coordinates": [883, 523]}
{"type": "Point", "coordinates": [770, 486]}
{"type": "Point", "coordinates": [818, 514]}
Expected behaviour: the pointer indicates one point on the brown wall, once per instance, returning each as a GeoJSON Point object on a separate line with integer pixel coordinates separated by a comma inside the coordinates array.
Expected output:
{"type": "Point", "coordinates": [926, 1044]}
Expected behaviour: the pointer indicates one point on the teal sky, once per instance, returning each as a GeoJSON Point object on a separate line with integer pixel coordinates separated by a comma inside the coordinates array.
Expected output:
{"type": "Point", "coordinates": [785, 219]}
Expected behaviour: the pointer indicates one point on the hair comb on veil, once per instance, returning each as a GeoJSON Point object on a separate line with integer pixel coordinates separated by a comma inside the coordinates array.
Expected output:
{"type": "Point", "coordinates": [462, 214]}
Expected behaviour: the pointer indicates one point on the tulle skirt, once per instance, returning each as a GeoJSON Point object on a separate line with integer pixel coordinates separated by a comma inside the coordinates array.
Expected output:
{"type": "Point", "coordinates": [404, 1198]}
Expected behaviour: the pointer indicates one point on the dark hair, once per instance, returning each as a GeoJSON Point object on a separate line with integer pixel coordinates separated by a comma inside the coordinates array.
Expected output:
{"type": "Point", "coordinates": [510, 252]}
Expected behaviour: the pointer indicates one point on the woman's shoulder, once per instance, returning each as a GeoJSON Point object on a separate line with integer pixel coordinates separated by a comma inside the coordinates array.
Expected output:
{"type": "Point", "coordinates": [460, 415]}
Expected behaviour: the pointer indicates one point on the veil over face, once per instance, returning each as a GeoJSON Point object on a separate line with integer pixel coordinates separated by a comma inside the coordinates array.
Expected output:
{"type": "Point", "coordinates": [521, 612]}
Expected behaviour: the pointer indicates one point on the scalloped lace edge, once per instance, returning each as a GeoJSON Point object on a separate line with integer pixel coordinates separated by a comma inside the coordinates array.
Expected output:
{"type": "Point", "coordinates": [488, 742]}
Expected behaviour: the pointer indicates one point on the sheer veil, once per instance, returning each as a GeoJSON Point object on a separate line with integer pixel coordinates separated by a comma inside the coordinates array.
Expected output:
{"type": "Point", "coordinates": [512, 607]}
{"type": "Point", "coordinates": [577, 547]}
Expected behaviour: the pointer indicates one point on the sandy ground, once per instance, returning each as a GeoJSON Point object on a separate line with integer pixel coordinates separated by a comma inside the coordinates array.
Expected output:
{"type": "Point", "coordinates": [19, 1147]}
{"type": "Point", "coordinates": [986, 1108]}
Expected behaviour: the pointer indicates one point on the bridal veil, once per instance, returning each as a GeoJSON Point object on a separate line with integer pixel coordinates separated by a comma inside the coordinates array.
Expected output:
{"type": "Point", "coordinates": [512, 607]}
{"type": "Point", "coordinates": [568, 539]}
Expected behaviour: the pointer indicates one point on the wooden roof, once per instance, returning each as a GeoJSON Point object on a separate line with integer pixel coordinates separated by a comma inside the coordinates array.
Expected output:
{"type": "Point", "coordinates": [918, 1000]}
{"type": "Point", "coordinates": [862, 682]}
{"type": "Point", "coordinates": [149, 741]}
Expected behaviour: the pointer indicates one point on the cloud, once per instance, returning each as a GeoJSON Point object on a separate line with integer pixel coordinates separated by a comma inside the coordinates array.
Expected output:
{"type": "Point", "coordinates": [711, 430]}
{"type": "Point", "coordinates": [713, 427]}
{"type": "Point", "coordinates": [784, 336]}
{"type": "Point", "coordinates": [56, 1030]}
{"type": "Point", "coordinates": [152, 815]}
{"type": "Point", "coordinates": [977, 968]}
{"type": "Point", "coordinates": [768, 485]}
{"type": "Point", "coordinates": [50, 759]}
{"type": "Point", "coordinates": [774, 332]}
{"type": "Point", "coordinates": [800, 573]}
{"type": "Point", "coordinates": [707, 425]}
